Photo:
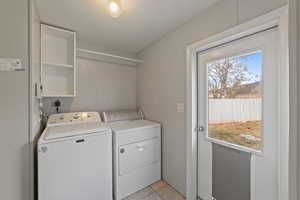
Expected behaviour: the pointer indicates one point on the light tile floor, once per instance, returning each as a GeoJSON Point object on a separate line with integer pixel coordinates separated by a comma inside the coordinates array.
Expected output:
{"type": "Point", "coordinates": [157, 191]}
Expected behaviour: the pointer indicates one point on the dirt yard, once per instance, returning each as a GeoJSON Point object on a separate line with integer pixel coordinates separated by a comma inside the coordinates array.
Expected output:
{"type": "Point", "coordinates": [240, 133]}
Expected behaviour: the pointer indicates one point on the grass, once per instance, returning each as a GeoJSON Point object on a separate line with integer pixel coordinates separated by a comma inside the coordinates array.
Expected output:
{"type": "Point", "coordinates": [231, 132]}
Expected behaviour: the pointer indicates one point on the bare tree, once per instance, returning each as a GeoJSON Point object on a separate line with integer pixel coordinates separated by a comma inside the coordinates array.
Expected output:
{"type": "Point", "coordinates": [224, 76]}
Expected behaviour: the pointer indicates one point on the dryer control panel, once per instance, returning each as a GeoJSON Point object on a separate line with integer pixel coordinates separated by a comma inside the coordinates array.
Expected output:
{"type": "Point", "coordinates": [72, 118]}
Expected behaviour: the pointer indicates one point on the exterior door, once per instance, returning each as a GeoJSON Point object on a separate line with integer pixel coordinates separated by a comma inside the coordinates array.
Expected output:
{"type": "Point", "coordinates": [238, 108]}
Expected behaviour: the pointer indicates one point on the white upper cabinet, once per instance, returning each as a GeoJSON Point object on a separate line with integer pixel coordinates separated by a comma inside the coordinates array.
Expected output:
{"type": "Point", "coordinates": [58, 65]}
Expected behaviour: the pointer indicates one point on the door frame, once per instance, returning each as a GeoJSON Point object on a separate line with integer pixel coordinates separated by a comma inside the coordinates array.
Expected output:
{"type": "Point", "coordinates": [259, 24]}
{"type": "Point", "coordinates": [294, 61]}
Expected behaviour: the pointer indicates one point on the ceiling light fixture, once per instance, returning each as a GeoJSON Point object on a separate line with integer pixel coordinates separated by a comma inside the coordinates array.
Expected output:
{"type": "Point", "coordinates": [114, 7]}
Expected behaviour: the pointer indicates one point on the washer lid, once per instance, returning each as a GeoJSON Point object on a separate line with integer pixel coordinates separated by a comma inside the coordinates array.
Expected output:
{"type": "Point", "coordinates": [64, 131]}
{"type": "Point", "coordinates": [125, 126]}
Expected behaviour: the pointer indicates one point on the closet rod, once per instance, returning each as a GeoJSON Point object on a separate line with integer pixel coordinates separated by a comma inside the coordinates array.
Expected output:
{"type": "Point", "coordinates": [110, 55]}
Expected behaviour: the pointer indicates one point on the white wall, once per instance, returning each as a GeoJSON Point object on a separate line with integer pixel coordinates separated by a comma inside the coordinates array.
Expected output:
{"type": "Point", "coordinates": [298, 64]}
{"type": "Point", "coordinates": [161, 78]}
{"type": "Point", "coordinates": [100, 86]}
{"type": "Point", "coordinates": [14, 109]}
{"type": "Point", "coordinates": [296, 30]}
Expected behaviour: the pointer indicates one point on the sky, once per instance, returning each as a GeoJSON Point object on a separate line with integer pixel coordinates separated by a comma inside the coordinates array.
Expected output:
{"type": "Point", "coordinates": [254, 63]}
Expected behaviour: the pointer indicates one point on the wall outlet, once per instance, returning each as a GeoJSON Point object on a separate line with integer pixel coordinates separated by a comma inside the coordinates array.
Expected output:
{"type": "Point", "coordinates": [10, 64]}
{"type": "Point", "coordinates": [180, 107]}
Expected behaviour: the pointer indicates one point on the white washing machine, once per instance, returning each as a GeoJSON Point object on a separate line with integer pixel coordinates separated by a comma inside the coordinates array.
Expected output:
{"type": "Point", "coordinates": [75, 158]}
{"type": "Point", "coordinates": [136, 150]}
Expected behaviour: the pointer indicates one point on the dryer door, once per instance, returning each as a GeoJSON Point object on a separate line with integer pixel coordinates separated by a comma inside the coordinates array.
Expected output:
{"type": "Point", "coordinates": [139, 154]}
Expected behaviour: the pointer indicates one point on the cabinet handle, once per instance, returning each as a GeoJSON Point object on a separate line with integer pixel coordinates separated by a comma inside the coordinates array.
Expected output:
{"type": "Point", "coordinates": [79, 141]}
{"type": "Point", "coordinates": [140, 147]}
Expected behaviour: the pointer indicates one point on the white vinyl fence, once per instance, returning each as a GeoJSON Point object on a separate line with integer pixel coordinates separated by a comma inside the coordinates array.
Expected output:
{"type": "Point", "coordinates": [232, 110]}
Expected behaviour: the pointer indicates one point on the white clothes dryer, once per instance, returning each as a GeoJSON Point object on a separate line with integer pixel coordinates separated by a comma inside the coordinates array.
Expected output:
{"type": "Point", "coordinates": [136, 151]}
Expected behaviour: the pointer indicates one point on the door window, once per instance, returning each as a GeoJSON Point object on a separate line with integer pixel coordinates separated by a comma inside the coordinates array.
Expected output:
{"type": "Point", "coordinates": [234, 86]}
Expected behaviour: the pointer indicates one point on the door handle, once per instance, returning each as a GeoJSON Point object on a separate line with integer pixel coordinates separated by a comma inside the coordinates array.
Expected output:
{"type": "Point", "coordinates": [200, 129]}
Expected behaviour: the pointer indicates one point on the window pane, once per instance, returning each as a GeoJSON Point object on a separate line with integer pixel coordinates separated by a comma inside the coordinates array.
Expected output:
{"type": "Point", "coordinates": [235, 100]}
